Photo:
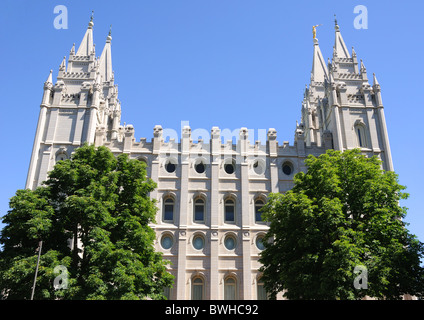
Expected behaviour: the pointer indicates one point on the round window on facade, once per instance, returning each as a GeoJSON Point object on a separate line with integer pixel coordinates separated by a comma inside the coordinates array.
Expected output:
{"type": "Point", "coordinates": [200, 167]}
{"type": "Point", "coordinates": [287, 168]}
{"type": "Point", "coordinates": [166, 242]}
{"type": "Point", "coordinates": [259, 243]}
{"type": "Point", "coordinates": [258, 167]}
{"type": "Point", "coordinates": [170, 166]}
{"type": "Point", "coordinates": [230, 167]}
{"type": "Point", "coordinates": [61, 157]}
{"type": "Point", "coordinates": [230, 242]}
{"type": "Point", "coordinates": [198, 242]}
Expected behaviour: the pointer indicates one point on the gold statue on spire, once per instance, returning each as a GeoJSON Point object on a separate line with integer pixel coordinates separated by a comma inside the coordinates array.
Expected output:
{"type": "Point", "coordinates": [314, 31]}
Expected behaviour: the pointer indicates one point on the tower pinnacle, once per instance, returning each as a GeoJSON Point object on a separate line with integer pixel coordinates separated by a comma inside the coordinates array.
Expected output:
{"type": "Point", "coordinates": [106, 58]}
{"type": "Point", "coordinates": [339, 45]}
{"type": "Point", "coordinates": [86, 46]}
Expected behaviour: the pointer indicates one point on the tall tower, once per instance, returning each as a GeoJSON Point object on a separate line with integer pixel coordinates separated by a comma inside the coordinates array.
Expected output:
{"type": "Point", "coordinates": [340, 109]}
{"type": "Point", "coordinates": [83, 99]}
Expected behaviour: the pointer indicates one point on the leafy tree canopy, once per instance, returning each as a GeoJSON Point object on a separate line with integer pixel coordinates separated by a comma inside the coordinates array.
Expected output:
{"type": "Point", "coordinates": [343, 213]}
{"type": "Point", "coordinates": [93, 216]}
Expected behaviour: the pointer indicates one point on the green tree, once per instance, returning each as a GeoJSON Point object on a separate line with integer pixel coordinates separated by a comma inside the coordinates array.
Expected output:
{"type": "Point", "coordinates": [343, 213]}
{"type": "Point", "coordinates": [99, 205]}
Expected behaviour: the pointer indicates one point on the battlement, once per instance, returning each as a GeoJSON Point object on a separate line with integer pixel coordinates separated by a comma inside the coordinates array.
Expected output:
{"type": "Point", "coordinates": [210, 145]}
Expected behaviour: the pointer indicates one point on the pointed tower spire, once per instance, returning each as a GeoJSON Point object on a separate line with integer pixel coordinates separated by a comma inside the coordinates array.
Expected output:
{"type": "Point", "coordinates": [363, 69]}
{"type": "Point", "coordinates": [49, 79]}
{"type": "Point", "coordinates": [72, 52]}
{"type": "Point", "coordinates": [375, 81]}
{"type": "Point", "coordinates": [86, 46]}
{"type": "Point", "coordinates": [340, 49]}
{"type": "Point", "coordinates": [106, 59]}
{"type": "Point", "coordinates": [63, 64]}
{"type": "Point", "coordinates": [331, 78]}
{"type": "Point", "coordinates": [319, 68]}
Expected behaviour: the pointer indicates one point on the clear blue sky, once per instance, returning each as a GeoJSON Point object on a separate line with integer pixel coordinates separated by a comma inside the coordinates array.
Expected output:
{"type": "Point", "coordinates": [205, 61]}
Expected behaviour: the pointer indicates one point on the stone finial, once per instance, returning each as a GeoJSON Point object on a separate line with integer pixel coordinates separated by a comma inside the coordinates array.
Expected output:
{"type": "Point", "coordinates": [109, 37]}
{"type": "Point", "coordinates": [49, 80]}
{"type": "Point", "coordinates": [91, 23]}
{"type": "Point", "coordinates": [244, 131]}
{"type": "Point", "coordinates": [72, 52]}
{"type": "Point", "coordinates": [157, 130]}
{"type": "Point", "coordinates": [215, 130]}
{"type": "Point", "coordinates": [186, 130]}
{"type": "Point", "coordinates": [272, 133]}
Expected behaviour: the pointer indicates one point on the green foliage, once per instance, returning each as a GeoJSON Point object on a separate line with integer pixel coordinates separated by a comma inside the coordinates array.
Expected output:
{"type": "Point", "coordinates": [100, 205]}
{"type": "Point", "coordinates": [342, 213]}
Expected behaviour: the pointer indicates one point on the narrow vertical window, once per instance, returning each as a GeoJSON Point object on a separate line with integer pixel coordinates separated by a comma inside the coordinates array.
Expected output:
{"type": "Point", "coordinates": [199, 210]}
{"type": "Point", "coordinates": [261, 292]}
{"type": "Point", "coordinates": [360, 137]}
{"type": "Point", "coordinates": [197, 289]}
{"type": "Point", "coordinates": [168, 210]}
{"type": "Point", "coordinates": [258, 214]}
{"type": "Point", "coordinates": [229, 210]}
{"type": "Point", "coordinates": [230, 289]}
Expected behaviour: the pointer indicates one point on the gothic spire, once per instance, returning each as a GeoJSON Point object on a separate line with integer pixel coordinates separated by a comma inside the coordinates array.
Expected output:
{"type": "Point", "coordinates": [363, 69]}
{"type": "Point", "coordinates": [340, 48]}
{"type": "Point", "coordinates": [62, 66]}
{"type": "Point", "coordinates": [50, 78]}
{"type": "Point", "coordinates": [86, 46]}
{"type": "Point", "coordinates": [106, 58]}
{"type": "Point", "coordinates": [72, 52]}
{"type": "Point", "coordinates": [319, 68]}
{"type": "Point", "coordinates": [375, 81]}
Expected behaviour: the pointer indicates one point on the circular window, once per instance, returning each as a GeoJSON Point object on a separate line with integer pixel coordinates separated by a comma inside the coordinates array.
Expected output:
{"type": "Point", "coordinates": [230, 242]}
{"type": "Point", "coordinates": [199, 167]}
{"type": "Point", "coordinates": [259, 243]}
{"type": "Point", "coordinates": [230, 167]}
{"type": "Point", "coordinates": [169, 166]}
{"type": "Point", "coordinates": [287, 168]}
{"type": "Point", "coordinates": [166, 242]}
{"type": "Point", "coordinates": [258, 167]}
{"type": "Point", "coordinates": [198, 242]}
{"type": "Point", "coordinates": [61, 157]}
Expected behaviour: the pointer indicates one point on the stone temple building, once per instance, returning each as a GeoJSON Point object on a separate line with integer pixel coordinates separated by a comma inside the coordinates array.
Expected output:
{"type": "Point", "coordinates": [209, 193]}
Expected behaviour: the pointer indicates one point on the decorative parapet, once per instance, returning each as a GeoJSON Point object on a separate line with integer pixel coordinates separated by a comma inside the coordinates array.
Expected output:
{"type": "Point", "coordinates": [213, 146]}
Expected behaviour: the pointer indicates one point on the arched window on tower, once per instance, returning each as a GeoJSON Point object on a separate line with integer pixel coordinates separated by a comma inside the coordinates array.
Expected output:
{"type": "Point", "coordinates": [361, 138]}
